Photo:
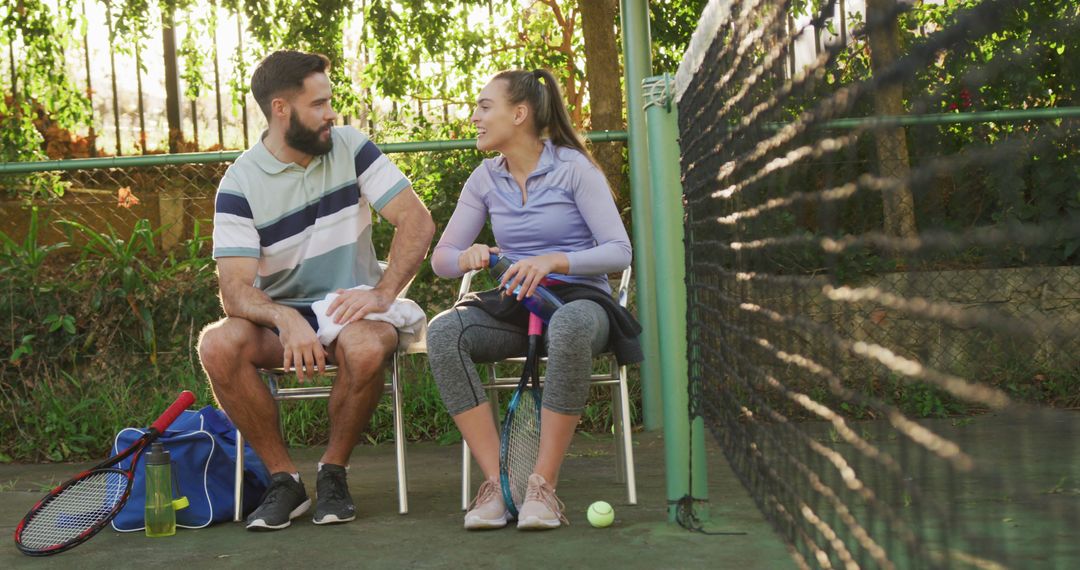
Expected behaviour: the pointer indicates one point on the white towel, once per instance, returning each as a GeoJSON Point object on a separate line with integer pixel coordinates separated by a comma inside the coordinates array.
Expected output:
{"type": "Point", "coordinates": [404, 314]}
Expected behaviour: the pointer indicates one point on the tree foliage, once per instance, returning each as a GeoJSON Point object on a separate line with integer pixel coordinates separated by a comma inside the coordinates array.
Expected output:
{"type": "Point", "coordinates": [1029, 62]}
{"type": "Point", "coordinates": [36, 36]}
{"type": "Point", "coordinates": [671, 23]}
{"type": "Point", "coordinates": [412, 56]}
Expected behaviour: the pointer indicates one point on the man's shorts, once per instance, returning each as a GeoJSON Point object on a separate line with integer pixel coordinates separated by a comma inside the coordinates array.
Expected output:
{"type": "Point", "coordinates": [308, 315]}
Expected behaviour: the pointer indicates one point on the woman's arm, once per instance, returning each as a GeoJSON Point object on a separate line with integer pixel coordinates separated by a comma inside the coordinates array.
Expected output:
{"type": "Point", "coordinates": [612, 251]}
{"type": "Point", "coordinates": [459, 234]}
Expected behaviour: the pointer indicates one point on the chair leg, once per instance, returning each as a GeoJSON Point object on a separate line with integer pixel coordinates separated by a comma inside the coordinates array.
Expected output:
{"type": "Point", "coordinates": [399, 438]}
{"type": "Point", "coordinates": [617, 428]}
{"type": "Point", "coordinates": [466, 474]}
{"type": "Point", "coordinates": [272, 385]}
{"type": "Point", "coordinates": [238, 484]}
{"type": "Point", "coordinates": [626, 442]}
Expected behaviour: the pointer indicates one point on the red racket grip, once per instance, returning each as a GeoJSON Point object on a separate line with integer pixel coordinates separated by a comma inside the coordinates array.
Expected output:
{"type": "Point", "coordinates": [166, 419]}
{"type": "Point", "coordinates": [536, 325]}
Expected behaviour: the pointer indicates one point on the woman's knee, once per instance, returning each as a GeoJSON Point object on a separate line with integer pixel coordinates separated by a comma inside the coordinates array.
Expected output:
{"type": "Point", "coordinates": [444, 331]}
{"type": "Point", "coordinates": [577, 319]}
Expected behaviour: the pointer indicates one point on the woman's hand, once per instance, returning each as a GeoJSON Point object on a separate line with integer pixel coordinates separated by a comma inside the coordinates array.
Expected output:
{"type": "Point", "coordinates": [530, 271]}
{"type": "Point", "coordinates": [478, 256]}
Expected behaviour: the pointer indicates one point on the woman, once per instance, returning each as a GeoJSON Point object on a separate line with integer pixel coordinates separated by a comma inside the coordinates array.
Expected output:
{"type": "Point", "coordinates": [553, 214]}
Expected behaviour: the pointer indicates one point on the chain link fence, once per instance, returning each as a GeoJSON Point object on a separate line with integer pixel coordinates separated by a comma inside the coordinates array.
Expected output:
{"type": "Point", "coordinates": [176, 199]}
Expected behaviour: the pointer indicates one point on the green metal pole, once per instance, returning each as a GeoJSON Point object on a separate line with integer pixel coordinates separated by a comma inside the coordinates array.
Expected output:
{"type": "Point", "coordinates": [637, 65]}
{"type": "Point", "coordinates": [684, 440]}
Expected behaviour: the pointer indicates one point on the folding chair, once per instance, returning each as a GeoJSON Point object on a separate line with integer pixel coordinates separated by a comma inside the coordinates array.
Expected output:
{"type": "Point", "coordinates": [272, 377]}
{"type": "Point", "coordinates": [620, 399]}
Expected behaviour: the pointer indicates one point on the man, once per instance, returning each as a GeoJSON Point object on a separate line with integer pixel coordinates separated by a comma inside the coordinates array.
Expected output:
{"type": "Point", "coordinates": [292, 224]}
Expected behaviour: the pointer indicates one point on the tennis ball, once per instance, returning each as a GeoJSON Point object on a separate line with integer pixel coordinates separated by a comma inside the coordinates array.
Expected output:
{"type": "Point", "coordinates": [601, 514]}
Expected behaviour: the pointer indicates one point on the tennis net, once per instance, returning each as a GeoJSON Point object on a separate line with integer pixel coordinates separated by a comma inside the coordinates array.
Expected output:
{"type": "Point", "coordinates": [883, 273]}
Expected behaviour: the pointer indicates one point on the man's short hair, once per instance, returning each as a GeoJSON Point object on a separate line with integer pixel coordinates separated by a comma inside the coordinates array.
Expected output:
{"type": "Point", "coordinates": [284, 70]}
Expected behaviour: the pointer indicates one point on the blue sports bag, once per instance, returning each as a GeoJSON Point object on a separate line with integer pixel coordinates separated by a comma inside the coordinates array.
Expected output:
{"type": "Point", "coordinates": [203, 448]}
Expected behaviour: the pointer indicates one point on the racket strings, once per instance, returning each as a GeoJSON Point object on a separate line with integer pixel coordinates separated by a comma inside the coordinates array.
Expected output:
{"type": "Point", "coordinates": [78, 508]}
{"type": "Point", "coordinates": [523, 444]}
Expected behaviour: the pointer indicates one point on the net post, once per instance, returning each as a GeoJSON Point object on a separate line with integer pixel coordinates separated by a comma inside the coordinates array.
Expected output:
{"type": "Point", "coordinates": [684, 435]}
{"type": "Point", "coordinates": [638, 65]}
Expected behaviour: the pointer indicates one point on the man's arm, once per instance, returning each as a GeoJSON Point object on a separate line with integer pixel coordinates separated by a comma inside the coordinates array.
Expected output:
{"type": "Point", "coordinates": [240, 299]}
{"type": "Point", "coordinates": [413, 230]}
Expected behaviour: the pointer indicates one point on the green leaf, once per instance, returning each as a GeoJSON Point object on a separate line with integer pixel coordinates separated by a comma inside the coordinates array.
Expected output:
{"type": "Point", "coordinates": [54, 322]}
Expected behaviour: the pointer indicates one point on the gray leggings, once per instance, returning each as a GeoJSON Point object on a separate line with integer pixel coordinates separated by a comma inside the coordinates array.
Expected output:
{"type": "Point", "coordinates": [459, 338]}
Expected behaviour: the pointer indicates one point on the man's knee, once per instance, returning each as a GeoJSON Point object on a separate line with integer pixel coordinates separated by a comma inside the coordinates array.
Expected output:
{"type": "Point", "coordinates": [365, 351]}
{"type": "Point", "coordinates": [220, 343]}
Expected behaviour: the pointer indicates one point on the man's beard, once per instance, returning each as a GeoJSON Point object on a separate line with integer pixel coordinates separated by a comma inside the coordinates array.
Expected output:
{"type": "Point", "coordinates": [306, 140]}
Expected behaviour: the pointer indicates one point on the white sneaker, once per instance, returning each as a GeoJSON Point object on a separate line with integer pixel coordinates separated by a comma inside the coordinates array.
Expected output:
{"type": "Point", "coordinates": [541, 510]}
{"type": "Point", "coordinates": [487, 509]}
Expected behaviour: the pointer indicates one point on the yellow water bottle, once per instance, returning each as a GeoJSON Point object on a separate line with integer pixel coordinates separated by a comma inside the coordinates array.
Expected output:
{"type": "Point", "coordinates": [160, 516]}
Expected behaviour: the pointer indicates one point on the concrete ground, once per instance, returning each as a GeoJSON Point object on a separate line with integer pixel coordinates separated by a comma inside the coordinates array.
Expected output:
{"type": "Point", "coordinates": [430, 536]}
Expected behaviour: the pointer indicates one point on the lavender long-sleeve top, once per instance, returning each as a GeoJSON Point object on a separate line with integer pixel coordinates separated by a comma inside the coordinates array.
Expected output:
{"type": "Point", "coordinates": [569, 210]}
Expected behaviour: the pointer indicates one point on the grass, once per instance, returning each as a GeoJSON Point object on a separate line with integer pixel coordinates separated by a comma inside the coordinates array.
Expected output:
{"type": "Point", "coordinates": [75, 415]}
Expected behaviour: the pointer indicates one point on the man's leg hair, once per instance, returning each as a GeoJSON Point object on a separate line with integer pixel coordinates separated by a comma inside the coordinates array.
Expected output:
{"type": "Point", "coordinates": [231, 350]}
{"type": "Point", "coordinates": [361, 352]}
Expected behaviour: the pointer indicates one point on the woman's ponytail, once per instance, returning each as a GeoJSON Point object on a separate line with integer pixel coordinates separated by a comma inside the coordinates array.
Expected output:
{"type": "Point", "coordinates": [556, 118]}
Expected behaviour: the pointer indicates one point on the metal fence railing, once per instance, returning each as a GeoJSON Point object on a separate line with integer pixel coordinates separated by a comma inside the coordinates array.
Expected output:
{"type": "Point", "coordinates": [174, 193]}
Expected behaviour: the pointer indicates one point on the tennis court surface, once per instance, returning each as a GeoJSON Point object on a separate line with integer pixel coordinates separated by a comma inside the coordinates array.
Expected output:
{"type": "Point", "coordinates": [430, 536]}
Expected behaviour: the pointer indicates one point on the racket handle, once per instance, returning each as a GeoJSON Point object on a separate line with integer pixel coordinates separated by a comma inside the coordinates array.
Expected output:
{"type": "Point", "coordinates": [166, 419]}
{"type": "Point", "coordinates": [536, 325]}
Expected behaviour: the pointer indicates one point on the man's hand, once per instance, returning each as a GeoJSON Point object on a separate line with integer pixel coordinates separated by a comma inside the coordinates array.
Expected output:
{"type": "Point", "coordinates": [529, 271]}
{"type": "Point", "coordinates": [354, 304]}
{"type": "Point", "coordinates": [477, 256]}
{"type": "Point", "coordinates": [240, 299]}
{"type": "Point", "coordinates": [302, 347]}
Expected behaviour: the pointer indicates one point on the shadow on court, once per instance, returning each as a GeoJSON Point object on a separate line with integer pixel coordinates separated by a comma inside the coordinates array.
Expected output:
{"type": "Point", "coordinates": [430, 536]}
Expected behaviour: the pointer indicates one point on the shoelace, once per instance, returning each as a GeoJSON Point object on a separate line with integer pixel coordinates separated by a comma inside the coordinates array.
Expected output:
{"type": "Point", "coordinates": [545, 494]}
{"type": "Point", "coordinates": [488, 491]}
{"type": "Point", "coordinates": [335, 486]}
{"type": "Point", "coordinates": [274, 492]}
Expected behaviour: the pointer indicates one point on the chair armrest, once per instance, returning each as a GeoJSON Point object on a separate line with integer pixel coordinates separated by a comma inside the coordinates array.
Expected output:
{"type": "Point", "coordinates": [466, 283]}
{"type": "Point", "coordinates": [622, 294]}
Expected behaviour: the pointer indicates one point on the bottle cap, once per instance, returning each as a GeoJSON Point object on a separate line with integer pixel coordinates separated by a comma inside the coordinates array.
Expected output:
{"type": "Point", "coordinates": [158, 455]}
{"type": "Point", "coordinates": [498, 265]}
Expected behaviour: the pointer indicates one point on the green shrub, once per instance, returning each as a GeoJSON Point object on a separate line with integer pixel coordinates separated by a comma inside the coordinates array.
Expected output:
{"type": "Point", "coordinates": [104, 336]}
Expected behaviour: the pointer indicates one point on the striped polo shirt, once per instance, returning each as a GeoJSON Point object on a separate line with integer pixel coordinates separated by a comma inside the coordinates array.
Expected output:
{"type": "Point", "coordinates": [310, 228]}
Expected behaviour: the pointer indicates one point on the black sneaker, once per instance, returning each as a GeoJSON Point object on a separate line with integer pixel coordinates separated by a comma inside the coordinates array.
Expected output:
{"type": "Point", "coordinates": [285, 500]}
{"type": "Point", "coordinates": [333, 504]}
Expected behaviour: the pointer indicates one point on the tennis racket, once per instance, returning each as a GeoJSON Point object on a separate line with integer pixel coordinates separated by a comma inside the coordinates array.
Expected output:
{"type": "Point", "coordinates": [77, 510]}
{"type": "Point", "coordinates": [521, 429]}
